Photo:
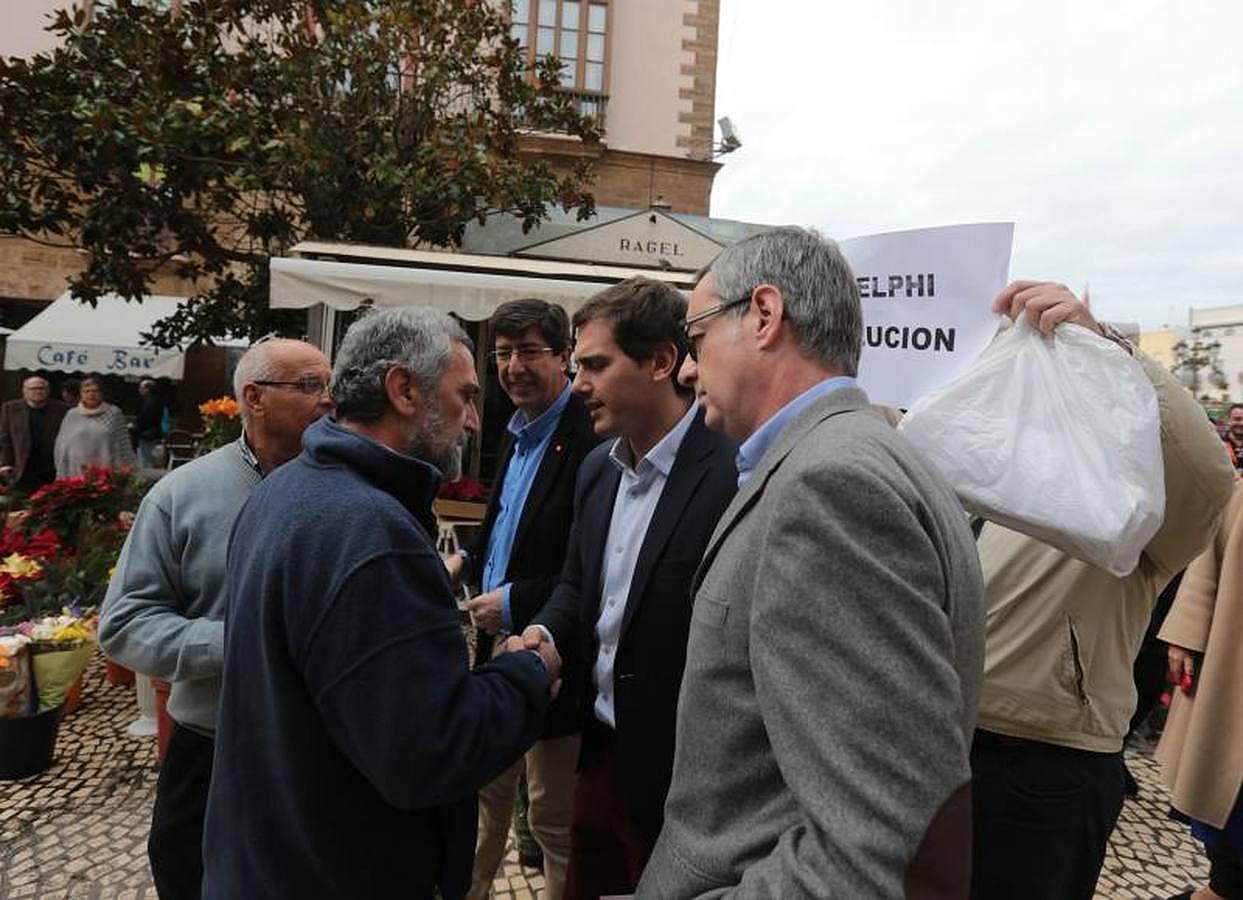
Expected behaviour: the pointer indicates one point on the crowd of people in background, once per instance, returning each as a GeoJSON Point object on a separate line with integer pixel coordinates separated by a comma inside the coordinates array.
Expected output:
{"type": "Point", "coordinates": [43, 438]}
{"type": "Point", "coordinates": [733, 633]}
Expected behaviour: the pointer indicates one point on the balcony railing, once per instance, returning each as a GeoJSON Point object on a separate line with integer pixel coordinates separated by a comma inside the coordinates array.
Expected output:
{"type": "Point", "coordinates": [590, 103]}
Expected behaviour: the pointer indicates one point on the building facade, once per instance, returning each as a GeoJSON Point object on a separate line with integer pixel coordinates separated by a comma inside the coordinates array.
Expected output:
{"type": "Point", "coordinates": [1222, 325]}
{"type": "Point", "coordinates": [1160, 344]}
{"type": "Point", "coordinates": [645, 68]}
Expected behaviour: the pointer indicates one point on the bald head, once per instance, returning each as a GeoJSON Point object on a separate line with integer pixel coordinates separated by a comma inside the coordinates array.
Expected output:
{"type": "Point", "coordinates": [281, 387]}
{"type": "Point", "coordinates": [272, 360]}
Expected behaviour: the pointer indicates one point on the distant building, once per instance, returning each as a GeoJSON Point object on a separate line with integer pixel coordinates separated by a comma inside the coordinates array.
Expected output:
{"type": "Point", "coordinates": [1160, 344]}
{"type": "Point", "coordinates": [647, 69]}
{"type": "Point", "coordinates": [1223, 324]}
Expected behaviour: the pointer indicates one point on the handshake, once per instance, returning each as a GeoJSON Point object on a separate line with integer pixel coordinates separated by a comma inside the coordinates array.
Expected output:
{"type": "Point", "coordinates": [538, 642]}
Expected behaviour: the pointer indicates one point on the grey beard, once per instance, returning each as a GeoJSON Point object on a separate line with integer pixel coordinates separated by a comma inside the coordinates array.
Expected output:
{"type": "Point", "coordinates": [451, 462]}
{"type": "Point", "coordinates": [422, 444]}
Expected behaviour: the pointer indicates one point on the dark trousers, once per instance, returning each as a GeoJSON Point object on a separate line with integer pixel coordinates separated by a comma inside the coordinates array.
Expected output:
{"type": "Point", "coordinates": [1149, 674]}
{"type": "Point", "coordinates": [1042, 818]}
{"type": "Point", "coordinates": [1225, 874]}
{"type": "Point", "coordinates": [175, 846]}
{"type": "Point", "coordinates": [607, 851]}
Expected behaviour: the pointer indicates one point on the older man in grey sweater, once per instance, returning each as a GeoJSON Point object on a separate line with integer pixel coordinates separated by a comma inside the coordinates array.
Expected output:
{"type": "Point", "coordinates": [163, 614]}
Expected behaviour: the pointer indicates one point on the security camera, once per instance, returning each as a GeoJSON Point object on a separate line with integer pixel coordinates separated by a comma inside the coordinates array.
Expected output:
{"type": "Point", "coordinates": [730, 141]}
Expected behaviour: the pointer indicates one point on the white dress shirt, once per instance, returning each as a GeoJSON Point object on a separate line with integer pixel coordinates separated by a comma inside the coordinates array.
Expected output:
{"type": "Point", "coordinates": [641, 486]}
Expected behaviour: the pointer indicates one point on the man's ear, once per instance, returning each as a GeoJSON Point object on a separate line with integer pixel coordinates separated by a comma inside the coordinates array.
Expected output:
{"type": "Point", "coordinates": [665, 361]}
{"type": "Point", "coordinates": [252, 399]}
{"type": "Point", "coordinates": [769, 311]}
{"type": "Point", "coordinates": [402, 393]}
{"type": "Point", "coordinates": [565, 360]}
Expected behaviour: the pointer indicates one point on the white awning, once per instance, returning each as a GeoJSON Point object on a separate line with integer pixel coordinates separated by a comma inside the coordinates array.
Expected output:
{"type": "Point", "coordinates": [69, 336]}
{"type": "Point", "coordinates": [470, 285]}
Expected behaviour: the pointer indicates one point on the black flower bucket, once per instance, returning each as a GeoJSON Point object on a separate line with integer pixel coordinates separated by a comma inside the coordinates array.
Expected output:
{"type": "Point", "coordinates": [28, 745]}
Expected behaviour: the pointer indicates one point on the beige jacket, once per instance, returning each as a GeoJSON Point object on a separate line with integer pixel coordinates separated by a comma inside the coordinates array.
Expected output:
{"type": "Point", "coordinates": [1060, 635]}
{"type": "Point", "coordinates": [1201, 749]}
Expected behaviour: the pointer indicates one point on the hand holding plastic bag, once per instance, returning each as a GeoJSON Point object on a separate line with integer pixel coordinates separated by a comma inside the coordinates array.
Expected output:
{"type": "Point", "coordinates": [1056, 436]}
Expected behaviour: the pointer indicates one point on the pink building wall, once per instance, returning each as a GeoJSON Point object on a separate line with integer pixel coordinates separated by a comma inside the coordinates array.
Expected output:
{"type": "Point", "coordinates": [22, 24]}
{"type": "Point", "coordinates": [645, 75]}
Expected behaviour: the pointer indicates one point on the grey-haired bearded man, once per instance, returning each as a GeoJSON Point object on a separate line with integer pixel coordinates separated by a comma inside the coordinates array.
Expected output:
{"type": "Point", "coordinates": [352, 736]}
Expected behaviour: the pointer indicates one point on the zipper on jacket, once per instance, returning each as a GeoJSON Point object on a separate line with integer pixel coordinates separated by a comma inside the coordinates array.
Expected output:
{"type": "Point", "coordinates": [1074, 655]}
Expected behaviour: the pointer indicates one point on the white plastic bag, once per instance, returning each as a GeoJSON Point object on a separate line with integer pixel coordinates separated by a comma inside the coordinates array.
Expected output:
{"type": "Point", "coordinates": [1056, 436]}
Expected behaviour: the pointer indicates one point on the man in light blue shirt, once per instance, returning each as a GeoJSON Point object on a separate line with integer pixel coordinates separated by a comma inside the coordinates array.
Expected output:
{"type": "Point", "coordinates": [836, 641]}
{"type": "Point", "coordinates": [516, 561]}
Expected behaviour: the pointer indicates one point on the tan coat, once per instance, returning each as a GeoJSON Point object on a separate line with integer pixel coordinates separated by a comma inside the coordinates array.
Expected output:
{"type": "Point", "coordinates": [1061, 635]}
{"type": "Point", "coordinates": [1202, 747]}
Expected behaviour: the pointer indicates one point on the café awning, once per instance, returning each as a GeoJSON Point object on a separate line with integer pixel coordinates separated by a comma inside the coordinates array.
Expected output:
{"type": "Point", "coordinates": [69, 336]}
{"type": "Point", "coordinates": [345, 276]}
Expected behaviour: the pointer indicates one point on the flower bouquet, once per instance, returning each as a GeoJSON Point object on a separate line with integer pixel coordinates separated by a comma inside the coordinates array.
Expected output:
{"type": "Point", "coordinates": [60, 649]}
{"type": "Point", "coordinates": [16, 686]}
{"type": "Point", "coordinates": [40, 661]}
{"type": "Point", "coordinates": [222, 422]}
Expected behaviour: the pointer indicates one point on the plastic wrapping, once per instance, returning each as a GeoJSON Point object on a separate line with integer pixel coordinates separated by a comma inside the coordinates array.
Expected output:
{"type": "Point", "coordinates": [1056, 436]}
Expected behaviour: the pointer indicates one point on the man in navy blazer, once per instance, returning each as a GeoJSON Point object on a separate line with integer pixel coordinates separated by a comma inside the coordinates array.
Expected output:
{"type": "Point", "coordinates": [517, 559]}
{"type": "Point", "coordinates": [646, 505]}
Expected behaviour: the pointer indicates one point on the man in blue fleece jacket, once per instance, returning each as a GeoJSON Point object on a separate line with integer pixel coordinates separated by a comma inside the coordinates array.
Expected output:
{"type": "Point", "coordinates": [352, 737]}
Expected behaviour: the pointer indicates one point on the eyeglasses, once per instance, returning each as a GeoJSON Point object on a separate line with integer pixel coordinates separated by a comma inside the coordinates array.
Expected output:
{"type": "Point", "coordinates": [525, 354]}
{"type": "Point", "coordinates": [311, 385]}
{"type": "Point", "coordinates": [692, 341]}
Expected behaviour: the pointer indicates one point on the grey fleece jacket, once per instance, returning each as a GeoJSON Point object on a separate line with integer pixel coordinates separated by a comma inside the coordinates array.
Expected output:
{"type": "Point", "coordinates": [164, 612]}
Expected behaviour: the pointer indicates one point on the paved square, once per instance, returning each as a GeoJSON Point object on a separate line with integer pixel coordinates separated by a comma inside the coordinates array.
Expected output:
{"type": "Point", "coordinates": [80, 829]}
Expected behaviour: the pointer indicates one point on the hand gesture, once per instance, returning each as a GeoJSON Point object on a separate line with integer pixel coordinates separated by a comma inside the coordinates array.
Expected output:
{"type": "Point", "coordinates": [485, 611]}
{"type": "Point", "coordinates": [1182, 668]}
{"type": "Point", "coordinates": [535, 640]}
{"type": "Point", "coordinates": [1046, 305]}
{"type": "Point", "coordinates": [453, 566]}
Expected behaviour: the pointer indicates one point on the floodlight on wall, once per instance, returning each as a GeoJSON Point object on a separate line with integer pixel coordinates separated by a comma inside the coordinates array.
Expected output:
{"type": "Point", "coordinates": [730, 141]}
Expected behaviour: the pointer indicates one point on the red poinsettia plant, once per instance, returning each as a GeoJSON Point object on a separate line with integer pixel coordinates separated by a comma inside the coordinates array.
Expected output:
{"type": "Point", "coordinates": [465, 489]}
{"type": "Point", "coordinates": [22, 560]}
{"type": "Point", "coordinates": [98, 494]}
{"type": "Point", "coordinates": [60, 550]}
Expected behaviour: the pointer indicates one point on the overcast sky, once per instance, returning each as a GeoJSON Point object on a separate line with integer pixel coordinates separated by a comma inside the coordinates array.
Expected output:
{"type": "Point", "coordinates": [1110, 133]}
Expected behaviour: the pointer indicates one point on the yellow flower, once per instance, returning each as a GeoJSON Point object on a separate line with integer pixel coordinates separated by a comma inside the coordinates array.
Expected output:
{"type": "Point", "coordinates": [18, 566]}
{"type": "Point", "coordinates": [74, 631]}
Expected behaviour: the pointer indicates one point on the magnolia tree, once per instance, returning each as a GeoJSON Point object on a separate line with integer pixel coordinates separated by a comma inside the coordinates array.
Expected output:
{"type": "Point", "coordinates": [212, 135]}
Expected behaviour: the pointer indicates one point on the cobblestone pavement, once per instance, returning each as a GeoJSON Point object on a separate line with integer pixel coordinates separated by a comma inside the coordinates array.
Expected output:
{"type": "Point", "coordinates": [80, 829]}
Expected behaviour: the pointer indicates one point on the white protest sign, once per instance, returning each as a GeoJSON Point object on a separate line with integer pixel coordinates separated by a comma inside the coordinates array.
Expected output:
{"type": "Point", "coordinates": [927, 304]}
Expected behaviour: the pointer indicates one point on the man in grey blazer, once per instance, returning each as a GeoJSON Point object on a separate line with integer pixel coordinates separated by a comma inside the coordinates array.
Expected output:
{"type": "Point", "coordinates": [836, 635]}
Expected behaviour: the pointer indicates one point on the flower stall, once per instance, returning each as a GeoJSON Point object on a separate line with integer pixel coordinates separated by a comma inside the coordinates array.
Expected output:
{"type": "Point", "coordinates": [57, 551]}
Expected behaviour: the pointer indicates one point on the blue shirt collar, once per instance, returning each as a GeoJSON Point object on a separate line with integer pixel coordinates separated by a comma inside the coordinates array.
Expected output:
{"type": "Point", "coordinates": [753, 448]}
{"type": "Point", "coordinates": [662, 456]}
{"type": "Point", "coordinates": [527, 434]}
